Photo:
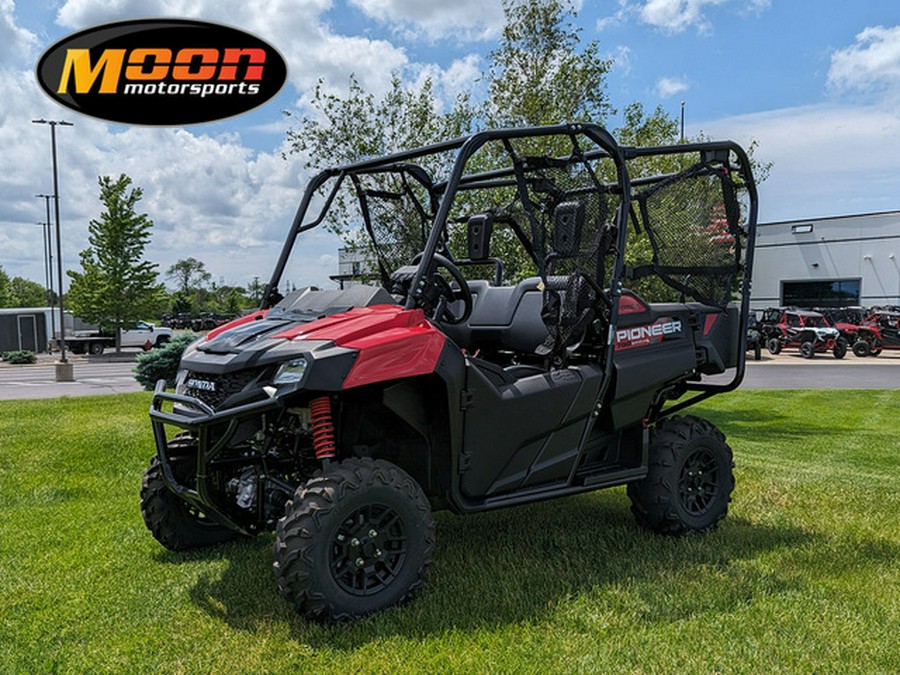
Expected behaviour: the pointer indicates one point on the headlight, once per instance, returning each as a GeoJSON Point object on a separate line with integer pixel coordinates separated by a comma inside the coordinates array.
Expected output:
{"type": "Point", "coordinates": [290, 372]}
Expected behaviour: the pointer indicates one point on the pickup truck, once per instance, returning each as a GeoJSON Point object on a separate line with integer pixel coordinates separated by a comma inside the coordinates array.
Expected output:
{"type": "Point", "coordinates": [142, 334]}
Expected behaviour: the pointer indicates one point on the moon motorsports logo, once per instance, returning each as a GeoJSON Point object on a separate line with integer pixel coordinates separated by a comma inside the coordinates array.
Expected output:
{"type": "Point", "coordinates": [161, 72]}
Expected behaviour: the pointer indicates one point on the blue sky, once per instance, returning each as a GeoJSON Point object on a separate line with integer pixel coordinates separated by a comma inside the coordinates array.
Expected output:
{"type": "Point", "coordinates": [816, 85]}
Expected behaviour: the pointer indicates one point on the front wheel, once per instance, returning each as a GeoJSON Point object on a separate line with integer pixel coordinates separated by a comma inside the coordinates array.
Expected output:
{"type": "Point", "coordinates": [689, 479]}
{"type": "Point", "coordinates": [774, 346]}
{"type": "Point", "coordinates": [174, 523]}
{"type": "Point", "coordinates": [807, 350]}
{"type": "Point", "coordinates": [861, 348]}
{"type": "Point", "coordinates": [355, 540]}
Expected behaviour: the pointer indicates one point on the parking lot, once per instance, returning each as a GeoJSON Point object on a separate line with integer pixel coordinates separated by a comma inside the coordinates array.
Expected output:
{"type": "Point", "coordinates": [93, 375]}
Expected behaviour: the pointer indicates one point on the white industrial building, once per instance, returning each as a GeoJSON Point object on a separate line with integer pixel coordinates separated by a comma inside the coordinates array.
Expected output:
{"type": "Point", "coordinates": [828, 262]}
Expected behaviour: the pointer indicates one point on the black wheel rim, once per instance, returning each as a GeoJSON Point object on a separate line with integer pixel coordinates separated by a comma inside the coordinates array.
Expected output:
{"type": "Point", "coordinates": [698, 486]}
{"type": "Point", "coordinates": [368, 550]}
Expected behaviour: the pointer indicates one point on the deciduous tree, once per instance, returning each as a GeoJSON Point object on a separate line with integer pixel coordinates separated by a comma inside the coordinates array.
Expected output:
{"type": "Point", "coordinates": [116, 285]}
{"type": "Point", "coordinates": [27, 293]}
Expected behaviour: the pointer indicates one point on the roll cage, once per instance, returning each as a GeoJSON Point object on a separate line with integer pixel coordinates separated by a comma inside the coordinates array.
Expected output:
{"type": "Point", "coordinates": [573, 201]}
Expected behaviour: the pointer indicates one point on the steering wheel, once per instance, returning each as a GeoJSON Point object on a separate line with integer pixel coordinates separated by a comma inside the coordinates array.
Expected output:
{"type": "Point", "coordinates": [438, 294]}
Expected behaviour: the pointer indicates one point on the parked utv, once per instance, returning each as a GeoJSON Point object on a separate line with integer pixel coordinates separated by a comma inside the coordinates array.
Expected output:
{"type": "Point", "coordinates": [849, 322]}
{"type": "Point", "coordinates": [804, 329]}
{"type": "Point", "coordinates": [545, 307]}
{"type": "Point", "coordinates": [880, 330]}
{"type": "Point", "coordinates": [754, 337]}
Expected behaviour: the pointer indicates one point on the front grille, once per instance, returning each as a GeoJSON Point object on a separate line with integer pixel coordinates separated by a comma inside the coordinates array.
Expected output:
{"type": "Point", "coordinates": [223, 386]}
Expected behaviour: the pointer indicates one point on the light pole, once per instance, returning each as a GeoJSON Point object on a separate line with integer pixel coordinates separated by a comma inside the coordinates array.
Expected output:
{"type": "Point", "coordinates": [64, 372]}
{"type": "Point", "coordinates": [48, 266]}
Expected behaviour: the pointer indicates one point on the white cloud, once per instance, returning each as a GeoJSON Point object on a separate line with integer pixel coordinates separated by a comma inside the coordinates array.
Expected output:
{"type": "Point", "coordinates": [459, 77]}
{"type": "Point", "coordinates": [16, 43]}
{"type": "Point", "coordinates": [294, 27]}
{"type": "Point", "coordinates": [617, 18]}
{"type": "Point", "coordinates": [667, 87]}
{"type": "Point", "coordinates": [872, 62]}
{"type": "Point", "coordinates": [467, 19]}
{"type": "Point", "coordinates": [622, 57]}
{"type": "Point", "coordinates": [827, 159]}
{"type": "Point", "coordinates": [677, 15]}
{"type": "Point", "coordinates": [209, 196]}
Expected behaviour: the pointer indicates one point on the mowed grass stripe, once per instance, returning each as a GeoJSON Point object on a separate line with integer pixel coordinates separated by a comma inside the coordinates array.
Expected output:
{"type": "Point", "coordinates": [802, 576]}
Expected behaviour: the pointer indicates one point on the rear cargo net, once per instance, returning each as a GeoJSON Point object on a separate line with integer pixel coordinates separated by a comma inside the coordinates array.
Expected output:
{"type": "Point", "coordinates": [692, 221]}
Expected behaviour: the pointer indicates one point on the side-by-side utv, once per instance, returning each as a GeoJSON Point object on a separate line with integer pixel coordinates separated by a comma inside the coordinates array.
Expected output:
{"type": "Point", "coordinates": [531, 308]}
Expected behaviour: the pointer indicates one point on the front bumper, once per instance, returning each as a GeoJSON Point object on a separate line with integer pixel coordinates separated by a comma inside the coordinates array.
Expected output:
{"type": "Point", "coordinates": [213, 432]}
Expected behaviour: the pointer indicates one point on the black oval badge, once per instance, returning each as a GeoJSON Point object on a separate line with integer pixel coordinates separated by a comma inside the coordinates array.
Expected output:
{"type": "Point", "coordinates": [161, 72]}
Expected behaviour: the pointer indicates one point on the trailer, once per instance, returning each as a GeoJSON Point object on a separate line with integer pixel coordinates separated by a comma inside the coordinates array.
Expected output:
{"type": "Point", "coordinates": [142, 334]}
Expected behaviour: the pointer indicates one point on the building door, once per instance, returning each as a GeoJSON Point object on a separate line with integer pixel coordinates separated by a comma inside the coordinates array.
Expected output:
{"type": "Point", "coordinates": [28, 332]}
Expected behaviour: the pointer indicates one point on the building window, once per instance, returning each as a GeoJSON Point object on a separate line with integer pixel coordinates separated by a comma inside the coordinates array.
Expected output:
{"type": "Point", "coordinates": [833, 293]}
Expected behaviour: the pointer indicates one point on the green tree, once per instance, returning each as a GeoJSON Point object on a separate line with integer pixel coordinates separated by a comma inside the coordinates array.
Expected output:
{"type": "Point", "coordinates": [192, 282]}
{"type": "Point", "coordinates": [351, 128]}
{"type": "Point", "coordinates": [116, 285]}
{"type": "Point", "coordinates": [182, 303]}
{"type": "Point", "coordinates": [541, 73]}
{"type": "Point", "coordinates": [188, 275]}
{"type": "Point", "coordinates": [538, 74]}
{"type": "Point", "coordinates": [6, 297]}
{"type": "Point", "coordinates": [229, 299]}
{"type": "Point", "coordinates": [27, 293]}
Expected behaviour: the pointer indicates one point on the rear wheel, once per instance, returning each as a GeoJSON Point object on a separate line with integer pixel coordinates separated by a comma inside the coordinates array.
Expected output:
{"type": "Point", "coordinates": [689, 480]}
{"type": "Point", "coordinates": [807, 350]}
{"type": "Point", "coordinates": [773, 345]}
{"type": "Point", "coordinates": [355, 540]}
{"type": "Point", "coordinates": [861, 348]}
{"type": "Point", "coordinates": [96, 348]}
{"type": "Point", "coordinates": [176, 524]}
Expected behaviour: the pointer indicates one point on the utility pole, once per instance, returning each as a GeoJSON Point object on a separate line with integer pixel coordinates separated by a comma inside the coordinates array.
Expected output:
{"type": "Point", "coordinates": [48, 264]}
{"type": "Point", "coordinates": [64, 370]}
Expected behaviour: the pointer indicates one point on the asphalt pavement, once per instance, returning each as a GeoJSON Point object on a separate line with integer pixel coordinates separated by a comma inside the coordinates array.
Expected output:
{"type": "Point", "coordinates": [112, 374]}
{"type": "Point", "coordinates": [105, 374]}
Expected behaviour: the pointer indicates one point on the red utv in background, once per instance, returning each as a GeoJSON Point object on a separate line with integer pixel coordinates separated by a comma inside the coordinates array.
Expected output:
{"type": "Point", "coordinates": [850, 322]}
{"type": "Point", "coordinates": [880, 330]}
{"type": "Point", "coordinates": [804, 329]}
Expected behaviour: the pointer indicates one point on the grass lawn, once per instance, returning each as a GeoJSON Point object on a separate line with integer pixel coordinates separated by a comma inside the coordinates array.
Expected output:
{"type": "Point", "coordinates": [803, 576]}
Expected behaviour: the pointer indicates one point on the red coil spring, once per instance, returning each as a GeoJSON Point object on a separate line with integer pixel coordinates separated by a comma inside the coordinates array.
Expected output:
{"type": "Point", "coordinates": [322, 427]}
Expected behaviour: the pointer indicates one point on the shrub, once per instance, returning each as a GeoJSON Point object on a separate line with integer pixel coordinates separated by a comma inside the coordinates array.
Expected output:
{"type": "Point", "coordinates": [162, 362]}
{"type": "Point", "coordinates": [20, 356]}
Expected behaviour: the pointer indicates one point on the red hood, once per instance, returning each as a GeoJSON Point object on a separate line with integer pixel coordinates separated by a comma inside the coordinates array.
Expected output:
{"type": "Point", "coordinates": [347, 328]}
{"type": "Point", "coordinates": [393, 342]}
